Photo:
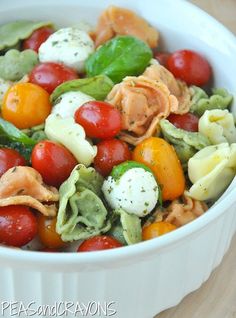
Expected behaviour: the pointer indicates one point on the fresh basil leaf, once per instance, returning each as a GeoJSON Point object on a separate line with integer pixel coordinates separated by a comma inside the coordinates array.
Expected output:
{"type": "Point", "coordinates": [11, 33]}
{"type": "Point", "coordinates": [119, 57]}
{"type": "Point", "coordinates": [11, 137]}
{"type": "Point", "coordinates": [98, 87]}
{"type": "Point", "coordinates": [118, 171]}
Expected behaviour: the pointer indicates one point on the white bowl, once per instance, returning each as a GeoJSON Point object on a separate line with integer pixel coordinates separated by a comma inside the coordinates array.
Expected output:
{"type": "Point", "coordinates": [143, 279]}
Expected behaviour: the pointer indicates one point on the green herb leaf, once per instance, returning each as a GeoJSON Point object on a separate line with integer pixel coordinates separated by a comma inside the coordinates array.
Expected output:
{"type": "Point", "coordinates": [118, 171]}
{"type": "Point", "coordinates": [98, 87]}
{"type": "Point", "coordinates": [11, 137]}
{"type": "Point", "coordinates": [119, 57]}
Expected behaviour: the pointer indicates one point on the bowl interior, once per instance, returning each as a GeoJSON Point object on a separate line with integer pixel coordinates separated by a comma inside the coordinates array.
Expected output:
{"type": "Point", "coordinates": [181, 25]}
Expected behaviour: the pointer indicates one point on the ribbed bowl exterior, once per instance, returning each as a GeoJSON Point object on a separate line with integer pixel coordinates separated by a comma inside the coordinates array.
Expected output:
{"type": "Point", "coordinates": [142, 280]}
{"type": "Point", "coordinates": [138, 290]}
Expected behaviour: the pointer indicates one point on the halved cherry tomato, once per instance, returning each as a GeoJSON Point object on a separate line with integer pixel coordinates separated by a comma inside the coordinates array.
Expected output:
{"type": "Point", "coordinates": [190, 67]}
{"type": "Point", "coordinates": [26, 105]}
{"type": "Point", "coordinates": [162, 159]}
{"type": "Point", "coordinates": [162, 57]}
{"type": "Point", "coordinates": [50, 75]}
{"type": "Point", "coordinates": [156, 229]}
{"type": "Point", "coordinates": [98, 243]}
{"type": "Point", "coordinates": [99, 119]}
{"type": "Point", "coordinates": [10, 158]}
{"type": "Point", "coordinates": [109, 154]}
{"type": "Point", "coordinates": [18, 225]}
{"type": "Point", "coordinates": [53, 161]}
{"type": "Point", "coordinates": [37, 38]}
{"type": "Point", "coordinates": [47, 232]}
{"type": "Point", "coordinates": [187, 121]}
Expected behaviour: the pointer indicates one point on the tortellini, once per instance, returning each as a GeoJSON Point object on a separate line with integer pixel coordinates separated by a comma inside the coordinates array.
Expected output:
{"type": "Point", "coordinates": [11, 33]}
{"type": "Point", "coordinates": [15, 64]}
{"type": "Point", "coordinates": [218, 126]}
{"type": "Point", "coordinates": [211, 170]}
{"type": "Point", "coordinates": [71, 135]}
{"type": "Point", "coordinates": [186, 143]}
{"type": "Point", "coordinates": [126, 227]}
{"type": "Point", "coordinates": [82, 213]}
{"type": "Point", "coordinates": [201, 102]}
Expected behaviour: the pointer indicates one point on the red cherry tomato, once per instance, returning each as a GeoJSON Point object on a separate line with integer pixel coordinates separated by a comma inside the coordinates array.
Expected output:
{"type": "Point", "coordinates": [98, 243]}
{"type": "Point", "coordinates": [53, 161]}
{"type": "Point", "coordinates": [18, 225]}
{"type": "Point", "coordinates": [50, 75]}
{"type": "Point", "coordinates": [37, 38]}
{"type": "Point", "coordinates": [162, 57]}
{"type": "Point", "coordinates": [10, 158]}
{"type": "Point", "coordinates": [109, 154]}
{"type": "Point", "coordinates": [99, 119]}
{"type": "Point", "coordinates": [187, 121]}
{"type": "Point", "coordinates": [190, 67]}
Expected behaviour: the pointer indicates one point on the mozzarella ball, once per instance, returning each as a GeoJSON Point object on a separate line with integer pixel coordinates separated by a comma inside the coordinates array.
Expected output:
{"type": "Point", "coordinates": [68, 103]}
{"type": "Point", "coordinates": [136, 192]}
{"type": "Point", "coordinates": [70, 46]}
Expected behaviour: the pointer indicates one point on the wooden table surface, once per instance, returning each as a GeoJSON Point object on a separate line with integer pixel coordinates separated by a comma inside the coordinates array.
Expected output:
{"type": "Point", "coordinates": [217, 297]}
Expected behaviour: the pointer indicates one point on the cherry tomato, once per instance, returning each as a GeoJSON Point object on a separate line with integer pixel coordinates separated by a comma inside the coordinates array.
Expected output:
{"type": "Point", "coordinates": [10, 158]}
{"type": "Point", "coordinates": [162, 159]}
{"type": "Point", "coordinates": [187, 121]}
{"type": "Point", "coordinates": [53, 161]}
{"type": "Point", "coordinates": [98, 243]}
{"type": "Point", "coordinates": [156, 229]}
{"type": "Point", "coordinates": [26, 105]}
{"type": "Point", "coordinates": [109, 154]}
{"type": "Point", "coordinates": [37, 38]}
{"type": "Point", "coordinates": [47, 232]}
{"type": "Point", "coordinates": [190, 67]}
{"type": "Point", "coordinates": [18, 225]}
{"type": "Point", "coordinates": [50, 75]}
{"type": "Point", "coordinates": [99, 119]}
{"type": "Point", "coordinates": [162, 57]}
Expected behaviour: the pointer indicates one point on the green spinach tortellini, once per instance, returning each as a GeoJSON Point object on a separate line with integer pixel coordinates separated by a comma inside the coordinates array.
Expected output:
{"type": "Point", "coordinates": [126, 227]}
{"type": "Point", "coordinates": [11, 33]}
{"type": "Point", "coordinates": [15, 64]}
{"type": "Point", "coordinates": [201, 102]}
{"type": "Point", "coordinates": [186, 143]}
{"type": "Point", "coordinates": [211, 170]}
{"type": "Point", "coordinates": [218, 126]}
{"type": "Point", "coordinates": [82, 213]}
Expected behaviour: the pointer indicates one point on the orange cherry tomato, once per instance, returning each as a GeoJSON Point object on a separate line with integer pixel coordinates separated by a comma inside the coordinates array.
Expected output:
{"type": "Point", "coordinates": [156, 229]}
{"type": "Point", "coordinates": [162, 159]}
{"type": "Point", "coordinates": [47, 232]}
{"type": "Point", "coordinates": [26, 105]}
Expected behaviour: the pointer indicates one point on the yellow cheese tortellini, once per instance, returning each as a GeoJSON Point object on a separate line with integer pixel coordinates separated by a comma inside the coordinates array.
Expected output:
{"type": "Point", "coordinates": [211, 170]}
{"type": "Point", "coordinates": [218, 126]}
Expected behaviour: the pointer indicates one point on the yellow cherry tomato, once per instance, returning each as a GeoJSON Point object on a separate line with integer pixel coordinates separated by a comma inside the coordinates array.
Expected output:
{"type": "Point", "coordinates": [162, 159]}
{"type": "Point", "coordinates": [26, 105]}
{"type": "Point", "coordinates": [156, 229]}
{"type": "Point", "coordinates": [47, 232]}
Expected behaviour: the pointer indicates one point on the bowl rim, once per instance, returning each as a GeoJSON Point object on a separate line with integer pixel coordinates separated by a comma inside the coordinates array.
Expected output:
{"type": "Point", "coordinates": [144, 248]}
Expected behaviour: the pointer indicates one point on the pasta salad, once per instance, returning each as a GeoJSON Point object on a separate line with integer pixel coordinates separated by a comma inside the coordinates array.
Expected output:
{"type": "Point", "coordinates": [105, 140]}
